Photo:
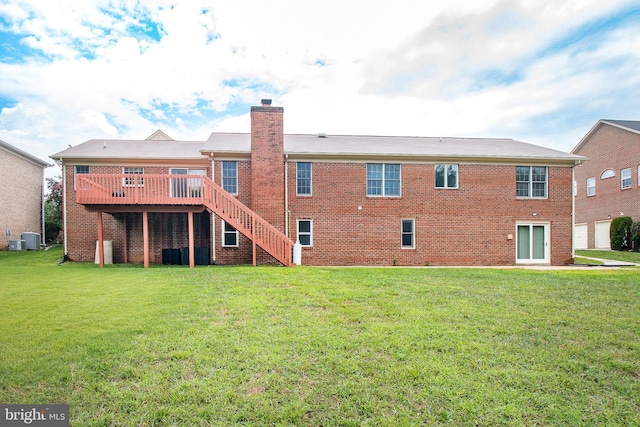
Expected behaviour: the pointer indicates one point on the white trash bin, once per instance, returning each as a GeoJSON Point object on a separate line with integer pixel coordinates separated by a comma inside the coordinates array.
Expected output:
{"type": "Point", "coordinates": [297, 253]}
{"type": "Point", "coordinates": [108, 252]}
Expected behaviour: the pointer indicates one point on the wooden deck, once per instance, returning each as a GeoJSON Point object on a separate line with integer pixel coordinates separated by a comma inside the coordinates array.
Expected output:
{"type": "Point", "coordinates": [153, 190]}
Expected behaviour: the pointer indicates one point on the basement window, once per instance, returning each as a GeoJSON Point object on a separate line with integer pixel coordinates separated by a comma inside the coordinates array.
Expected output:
{"type": "Point", "coordinates": [229, 235]}
{"type": "Point", "coordinates": [408, 234]}
{"type": "Point", "coordinates": [305, 232]}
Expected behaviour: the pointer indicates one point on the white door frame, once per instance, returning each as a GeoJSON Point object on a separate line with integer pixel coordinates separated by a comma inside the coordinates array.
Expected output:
{"type": "Point", "coordinates": [547, 242]}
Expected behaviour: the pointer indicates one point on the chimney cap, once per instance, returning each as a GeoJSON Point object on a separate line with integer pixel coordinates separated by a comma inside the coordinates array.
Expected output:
{"type": "Point", "coordinates": [265, 102]}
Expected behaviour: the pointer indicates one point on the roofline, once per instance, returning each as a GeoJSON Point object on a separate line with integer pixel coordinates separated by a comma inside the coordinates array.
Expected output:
{"type": "Point", "coordinates": [415, 158]}
{"type": "Point", "coordinates": [596, 126]}
{"type": "Point", "coordinates": [617, 125]}
{"type": "Point", "coordinates": [134, 161]}
{"type": "Point", "coordinates": [421, 158]}
{"type": "Point", "coordinates": [26, 156]}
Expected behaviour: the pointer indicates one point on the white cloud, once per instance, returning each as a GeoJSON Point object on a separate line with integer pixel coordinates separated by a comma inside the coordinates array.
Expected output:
{"type": "Point", "coordinates": [483, 68]}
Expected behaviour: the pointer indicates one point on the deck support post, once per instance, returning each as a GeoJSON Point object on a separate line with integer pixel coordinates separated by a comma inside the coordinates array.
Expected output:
{"type": "Point", "coordinates": [145, 232]}
{"type": "Point", "coordinates": [253, 238]}
{"type": "Point", "coordinates": [126, 258]}
{"type": "Point", "coordinates": [192, 255]}
{"type": "Point", "coordinates": [100, 240]}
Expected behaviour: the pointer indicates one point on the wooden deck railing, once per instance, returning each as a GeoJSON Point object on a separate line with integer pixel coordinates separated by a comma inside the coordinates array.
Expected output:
{"type": "Point", "coordinates": [158, 189]}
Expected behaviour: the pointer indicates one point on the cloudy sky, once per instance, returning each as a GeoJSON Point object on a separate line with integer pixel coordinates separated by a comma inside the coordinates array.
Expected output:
{"type": "Point", "coordinates": [540, 71]}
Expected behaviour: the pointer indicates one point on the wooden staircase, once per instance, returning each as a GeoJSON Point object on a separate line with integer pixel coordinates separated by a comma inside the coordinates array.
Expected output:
{"type": "Point", "coordinates": [247, 222]}
{"type": "Point", "coordinates": [165, 189]}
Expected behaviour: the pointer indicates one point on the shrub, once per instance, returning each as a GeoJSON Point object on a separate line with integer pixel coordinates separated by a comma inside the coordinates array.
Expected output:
{"type": "Point", "coordinates": [635, 235]}
{"type": "Point", "coordinates": [620, 233]}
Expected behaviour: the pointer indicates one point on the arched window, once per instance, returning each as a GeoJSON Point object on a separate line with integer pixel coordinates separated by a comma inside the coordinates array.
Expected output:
{"type": "Point", "coordinates": [609, 173]}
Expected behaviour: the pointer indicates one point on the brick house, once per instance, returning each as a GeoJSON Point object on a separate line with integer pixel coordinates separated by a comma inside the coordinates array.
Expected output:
{"type": "Point", "coordinates": [348, 200]}
{"type": "Point", "coordinates": [20, 194]}
{"type": "Point", "coordinates": [607, 185]}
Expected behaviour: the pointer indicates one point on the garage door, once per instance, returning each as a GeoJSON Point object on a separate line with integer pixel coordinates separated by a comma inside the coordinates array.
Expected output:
{"type": "Point", "coordinates": [602, 235]}
{"type": "Point", "coordinates": [580, 236]}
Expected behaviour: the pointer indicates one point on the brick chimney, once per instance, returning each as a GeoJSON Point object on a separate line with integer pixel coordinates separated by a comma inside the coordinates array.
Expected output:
{"type": "Point", "coordinates": [267, 163]}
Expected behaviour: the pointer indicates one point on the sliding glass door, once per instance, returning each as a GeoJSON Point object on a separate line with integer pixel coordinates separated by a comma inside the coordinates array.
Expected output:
{"type": "Point", "coordinates": [186, 187]}
{"type": "Point", "coordinates": [532, 243]}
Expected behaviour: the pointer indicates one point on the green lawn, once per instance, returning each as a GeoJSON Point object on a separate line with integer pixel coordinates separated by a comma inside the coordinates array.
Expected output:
{"type": "Point", "coordinates": [615, 255]}
{"type": "Point", "coordinates": [320, 346]}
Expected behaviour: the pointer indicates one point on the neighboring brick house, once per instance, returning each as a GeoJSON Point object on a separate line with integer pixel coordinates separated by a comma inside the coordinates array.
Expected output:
{"type": "Point", "coordinates": [21, 193]}
{"type": "Point", "coordinates": [607, 185]}
{"type": "Point", "coordinates": [349, 200]}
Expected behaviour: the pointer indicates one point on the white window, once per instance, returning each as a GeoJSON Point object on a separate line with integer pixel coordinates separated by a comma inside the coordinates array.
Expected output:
{"type": "Point", "coordinates": [303, 179]}
{"type": "Point", "coordinates": [230, 177]}
{"type": "Point", "coordinates": [531, 181]}
{"type": "Point", "coordinates": [383, 179]}
{"type": "Point", "coordinates": [77, 170]}
{"type": "Point", "coordinates": [625, 178]}
{"type": "Point", "coordinates": [407, 234]}
{"type": "Point", "coordinates": [591, 186]}
{"type": "Point", "coordinates": [446, 176]}
{"type": "Point", "coordinates": [609, 173]}
{"type": "Point", "coordinates": [532, 243]}
{"type": "Point", "coordinates": [229, 235]}
{"type": "Point", "coordinates": [130, 181]}
{"type": "Point", "coordinates": [305, 232]}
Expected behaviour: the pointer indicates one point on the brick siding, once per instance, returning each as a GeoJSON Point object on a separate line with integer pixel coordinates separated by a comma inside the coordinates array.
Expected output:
{"type": "Point", "coordinates": [607, 148]}
{"type": "Point", "coordinates": [21, 195]}
{"type": "Point", "coordinates": [465, 226]}
{"type": "Point", "coordinates": [267, 164]}
{"type": "Point", "coordinates": [474, 224]}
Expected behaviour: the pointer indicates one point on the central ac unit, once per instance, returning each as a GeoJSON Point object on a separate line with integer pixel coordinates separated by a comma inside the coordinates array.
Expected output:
{"type": "Point", "coordinates": [16, 245]}
{"type": "Point", "coordinates": [32, 240]}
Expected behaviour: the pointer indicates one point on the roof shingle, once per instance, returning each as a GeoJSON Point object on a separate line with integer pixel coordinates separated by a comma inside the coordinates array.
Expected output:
{"type": "Point", "coordinates": [395, 146]}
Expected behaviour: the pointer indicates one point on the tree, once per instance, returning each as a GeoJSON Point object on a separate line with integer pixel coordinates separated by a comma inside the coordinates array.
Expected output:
{"type": "Point", "coordinates": [53, 210]}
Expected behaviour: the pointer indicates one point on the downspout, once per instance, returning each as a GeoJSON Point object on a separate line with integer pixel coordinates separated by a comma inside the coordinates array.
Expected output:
{"type": "Point", "coordinates": [212, 225]}
{"type": "Point", "coordinates": [64, 208]}
{"type": "Point", "coordinates": [286, 195]}
{"type": "Point", "coordinates": [573, 209]}
{"type": "Point", "coordinates": [43, 241]}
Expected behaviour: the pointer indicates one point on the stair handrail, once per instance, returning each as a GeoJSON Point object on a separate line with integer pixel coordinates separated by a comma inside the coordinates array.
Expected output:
{"type": "Point", "coordinates": [246, 221]}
